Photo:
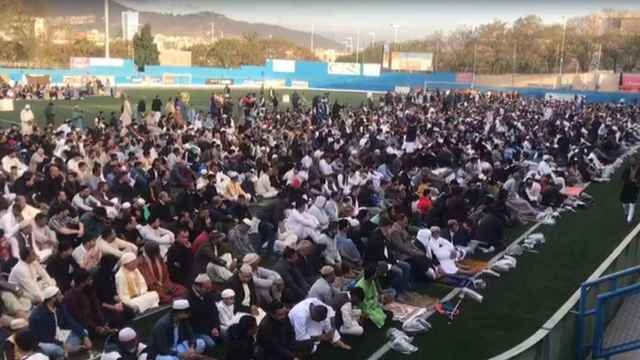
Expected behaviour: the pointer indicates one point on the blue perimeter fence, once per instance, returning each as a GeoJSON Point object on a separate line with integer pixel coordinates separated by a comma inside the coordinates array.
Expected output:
{"type": "Point", "coordinates": [302, 74]}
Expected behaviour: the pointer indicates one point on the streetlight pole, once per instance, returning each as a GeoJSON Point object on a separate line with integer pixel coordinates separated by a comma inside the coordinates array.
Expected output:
{"type": "Point", "coordinates": [395, 33]}
{"type": "Point", "coordinates": [106, 29]}
{"type": "Point", "coordinates": [373, 38]}
{"type": "Point", "coordinates": [475, 60]}
{"type": "Point", "coordinates": [358, 45]}
{"type": "Point", "coordinates": [513, 71]}
{"type": "Point", "coordinates": [564, 35]}
{"type": "Point", "coordinates": [313, 30]}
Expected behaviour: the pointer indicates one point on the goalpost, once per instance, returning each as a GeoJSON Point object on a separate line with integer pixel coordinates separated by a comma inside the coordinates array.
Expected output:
{"type": "Point", "coordinates": [176, 79]}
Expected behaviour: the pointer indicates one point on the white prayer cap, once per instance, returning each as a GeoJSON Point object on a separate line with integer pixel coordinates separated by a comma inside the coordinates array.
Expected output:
{"type": "Point", "coordinates": [250, 258]}
{"type": "Point", "coordinates": [233, 174]}
{"type": "Point", "coordinates": [318, 153]}
{"type": "Point", "coordinates": [246, 269]}
{"type": "Point", "coordinates": [50, 291]}
{"type": "Point", "coordinates": [202, 279]}
{"type": "Point", "coordinates": [126, 206]}
{"type": "Point", "coordinates": [140, 201]}
{"type": "Point", "coordinates": [326, 270]}
{"type": "Point", "coordinates": [424, 235]}
{"type": "Point", "coordinates": [127, 334]}
{"type": "Point", "coordinates": [18, 324]}
{"type": "Point", "coordinates": [180, 304]}
{"type": "Point", "coordinates": [228, 293]}
{"type": "Point", "coordinates": [127, 258]}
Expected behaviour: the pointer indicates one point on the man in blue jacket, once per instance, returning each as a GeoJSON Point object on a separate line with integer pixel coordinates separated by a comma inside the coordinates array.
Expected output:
{"type": "Point", "coordinates": [50, 322]}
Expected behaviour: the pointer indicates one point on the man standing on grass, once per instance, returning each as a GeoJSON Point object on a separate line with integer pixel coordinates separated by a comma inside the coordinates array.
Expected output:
{"type": "Point", "coordinates": [50, 113]}
{"type": "Point", "coordinates": [26, 120]}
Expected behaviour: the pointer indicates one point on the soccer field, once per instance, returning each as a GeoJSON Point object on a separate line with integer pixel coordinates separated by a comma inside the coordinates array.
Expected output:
{"type": "Point", "coordinates": [199, 99]}
{"type": "Point", "coordinates": [514, 306]}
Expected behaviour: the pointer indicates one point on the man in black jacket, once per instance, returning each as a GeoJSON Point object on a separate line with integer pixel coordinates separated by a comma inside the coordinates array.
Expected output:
{"type": "Point", "coordinates": [296, 286]}
{"type": "Point", "coordinates": [275, 335]}
{"type": "Point", "coordinates": [379, 251]}
{"type": "Point", "coordinates": [204, 320]}
{"type": "Point", "coordinates": [172, 337]}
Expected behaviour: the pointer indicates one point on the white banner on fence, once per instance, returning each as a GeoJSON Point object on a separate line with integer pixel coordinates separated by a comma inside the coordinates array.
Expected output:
{"type": "Point", "coordinates": [106, 62]}
{"type": "Point", "coordinates": [402, 89]}
{"type": "Point", "coordinates": [6, 105]}
{"type": "Point", "coordinates": [275, 83]}
{"type": "Point", "coordinates": [283, 66]}
{"type": "Point", "coordinates": [344, 69]}
{"type": "Point", "coordinates": [299, 84]}
{"type": "Point", "coordinates": [559, 96]}
{"type": "Point", "coordinates": [371, 70]}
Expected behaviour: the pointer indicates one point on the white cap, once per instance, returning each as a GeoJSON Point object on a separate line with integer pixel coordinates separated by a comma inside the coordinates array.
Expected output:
{"type": "Point", "coordinates": [232, 174]}
{"type": "Point", "coordinates": [126, 206]}
{"type": "Point", "coordinates": [50, 291]}
{"type": "Point", "coordinates": [202, 279]}
{"type": "Point", "coordinates": [127, 258]}
{"type": "Point", "coordinates": [228, 293]}
{"type": "Point", "coordinates": [127, 334]}
{"type": "Point", "coordinates": [424, 235]}
{"type": "Point", "coordinates": [180, 304]}
{"type": "Point", "coordinates": [250, 258]}
{"type": "Point", "coordinates": [18, 324]}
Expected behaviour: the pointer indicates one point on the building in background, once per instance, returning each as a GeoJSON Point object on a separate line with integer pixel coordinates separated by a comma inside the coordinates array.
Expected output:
{"type": "Point", "coordinates": [130, 24]}
{"type": "Point", "coordinates": [39, 29]}
{"type": "Point", "coordinates": [171, 57]}
{"type": "Point", "coordinates": [626, 22]}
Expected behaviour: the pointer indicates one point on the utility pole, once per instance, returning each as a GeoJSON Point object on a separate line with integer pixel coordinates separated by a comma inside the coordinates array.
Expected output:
{"type": "Point", "coordinates": [313, 30]}
{"type": "Point", "coordinates": [106, 29]}
{"type": "Point", "coordinates": [213, 32]}
{"type": "Point", "coordinates": [395, 33]}
{"type": "Point", "coordinates": [358, 44]}
{"type": "Point", "coordinates": [513, 71]}
{"type": "Point", "coordinates": [373, 38]}
{"type": "Point", "coordinates": [475, 60]}
{"type": "Point", "coordinates": [564, 35]}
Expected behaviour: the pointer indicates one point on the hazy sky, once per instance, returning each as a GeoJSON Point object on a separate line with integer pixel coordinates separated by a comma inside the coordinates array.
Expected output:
{"type": "Point", "coordinates": [336, 18]}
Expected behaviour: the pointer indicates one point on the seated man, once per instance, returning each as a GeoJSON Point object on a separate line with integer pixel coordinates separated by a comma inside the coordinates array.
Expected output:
{"type": "Point", "coordinates": [312, 322]}
{"type": "Point", "coordinates": [323, 288]}
{"type": "Point", "coordinates": [446, 254]}
{"type": "Point", "coordinates": [83, 304]}
{"type": "Point", "coordinates": [348, 316]}
{"type": "Point", "coordinates": [87, 254]}
{"type": "Point", "coordinates": [30, 276]}
{"type": "Point", "coordinates": [112, 245]}
{"type": "Point", "coordinates": [43, 237]}
{"type": "Point", "coordinates": [204, 312]}
{"type": "Point", "coordinates": [265, 280]}
{"type": "Point", "coordinates": [153, 232]}
{"type": "Point", "coordinates": [126, 347]}
{"type": "Point", "coordinates": [296, 286]}
{"type": "Point", "coordinates": [233, 189]}
{"type": "Point", "coordinates": [226, 310]}
{"type": "Point", "coordinates": [131, 287]}
{"type": "Point", "coordinates": [50, 319]}
{"type": "Point", "coordinates": [242, 285]}
{"type": "Point", "coordinates": [172, 337]}
{"type": "Point", "coordinates": [275, 334]}
{"type": "Point", "coordinates": [156, 275]}
{"type": "Point", "coordinates": [374, 297]}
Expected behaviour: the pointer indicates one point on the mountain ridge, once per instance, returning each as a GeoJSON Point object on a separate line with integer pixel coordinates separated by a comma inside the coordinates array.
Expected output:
{"type": "Point", "coordinates": [195, 24]}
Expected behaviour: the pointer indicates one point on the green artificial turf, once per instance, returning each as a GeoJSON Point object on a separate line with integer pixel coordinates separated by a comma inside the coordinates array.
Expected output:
{"type": "Point", "coordinates": [514, 306]}
{"type": "Point", "coordinates": [518, 303]}
{"type": "Point", "coordinates": [199, 99]}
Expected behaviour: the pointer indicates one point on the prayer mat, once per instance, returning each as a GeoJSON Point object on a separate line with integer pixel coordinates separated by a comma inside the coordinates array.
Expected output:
{"type": "Point", "coordinates": [572, 191]}
{"type": "Point", "coordinates": [473, 265]}
{"type": "Point", "coordinates": [404, 312]}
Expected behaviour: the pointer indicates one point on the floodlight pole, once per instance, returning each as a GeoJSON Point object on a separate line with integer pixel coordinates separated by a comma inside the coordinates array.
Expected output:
{"type": "Point", "coordinates": [513, 72]}
{"type": "Point", "coordinates": [313, 30]}
{"type": "Point", "coordinates": [475, 60]}
{"type": "Point", "coordinates": [106, 29]}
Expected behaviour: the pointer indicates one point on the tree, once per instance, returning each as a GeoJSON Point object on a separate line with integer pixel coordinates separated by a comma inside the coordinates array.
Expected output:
{"type": "Point", "coordinates": [145, 50]}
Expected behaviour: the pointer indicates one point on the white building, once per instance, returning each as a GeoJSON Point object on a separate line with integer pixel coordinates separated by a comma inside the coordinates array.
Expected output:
{"type": "Point", "coordinates": [130, 24]}
{"type": "Point", "coordinates": [39, 27]}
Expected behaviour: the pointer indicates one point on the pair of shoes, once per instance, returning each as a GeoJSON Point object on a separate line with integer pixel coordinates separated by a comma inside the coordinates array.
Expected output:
{"type": "Point", "coordinates": [487, 250]}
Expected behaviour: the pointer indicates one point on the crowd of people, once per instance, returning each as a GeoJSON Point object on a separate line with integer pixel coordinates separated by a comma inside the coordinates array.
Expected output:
{"type": "Point", "coordinates": [274, 231]}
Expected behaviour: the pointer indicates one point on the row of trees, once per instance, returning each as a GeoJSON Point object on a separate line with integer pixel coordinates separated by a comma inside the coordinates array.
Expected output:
{"type": "Point", "coordinates": [248, 50]}
{"type": "Point", "coordinates": [525, 46]}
